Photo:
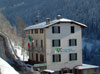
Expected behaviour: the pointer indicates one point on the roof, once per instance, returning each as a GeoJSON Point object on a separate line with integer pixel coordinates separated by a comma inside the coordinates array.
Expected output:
{"type": "Point", "coordinates": [44, 25]}
{"type": "Point", "coordinates": [51, 71]}
{"type": "Point", "coordinates": [40, 65]}
{"type": "Point", "coordinates": [86, 66]}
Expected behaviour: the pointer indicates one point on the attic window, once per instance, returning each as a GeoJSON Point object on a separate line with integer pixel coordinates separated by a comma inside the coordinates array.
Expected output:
{"type": "Point", "coordinates": [31, 31]}
{"type": "Point", "coordinates": [36, 31]}
{"type": "Point", "coordinates": [56, 29]}
{"type": "Point", "coordinates": [41, 30]}
{"type": "Point", "coordinates": [72, 29]}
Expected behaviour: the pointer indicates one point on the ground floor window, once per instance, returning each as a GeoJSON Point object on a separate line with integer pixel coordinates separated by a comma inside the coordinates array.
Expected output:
{"type": "Point", "coordinates": [36, 58]}
{"type": "Point", "coordinates": [56, 57]}
{"type": "Point", "coordinates": [32, 56]}
{"type": "Point", "coordinates": [41, 58]}
{"type": "Point", "coordinates": [72, 56]}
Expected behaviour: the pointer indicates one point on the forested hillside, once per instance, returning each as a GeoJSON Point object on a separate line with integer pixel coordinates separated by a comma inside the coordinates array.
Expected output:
{"type": "Point", "coordinates": [84, 11]}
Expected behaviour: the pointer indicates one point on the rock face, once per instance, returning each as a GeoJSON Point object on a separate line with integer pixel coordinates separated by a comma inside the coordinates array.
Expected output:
{"type": "Point", "coordinates": [6, 50]}
{"type": "Point", "coordinates": [2, 48]}
{"type": "Point", "coordinates": [9, 55]}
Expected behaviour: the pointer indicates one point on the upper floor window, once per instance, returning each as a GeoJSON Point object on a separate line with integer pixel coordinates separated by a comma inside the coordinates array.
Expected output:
{"type": "Point", "coordinates": [56, 58]}
{"type": "Point", "coordinates": [31, 31]}
{"type": "Point", "coordinates": [56, 29]}
{"type": "Point", "coordinates": [56, 43]}
{"type": "Point", "coordinates": [41, 30]}
{"type": "Point", "coordinates": [41, 43]}
{"type": "Point", "coordinates": [32, 45]}
{"type": "Point", "coordinates": [36, 31]}
{"type": "Point", "coordinates": [72, 42]}
{"type": "Point", "coordinates": [72, 29]}
{"type": "Point", "coordinates": [72, 56]}
{"type": "Point", "coordinates": [36, 43]}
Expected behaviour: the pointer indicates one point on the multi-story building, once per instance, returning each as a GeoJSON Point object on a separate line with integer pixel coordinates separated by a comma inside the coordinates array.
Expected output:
{"type": "Point", "coordinates": [58, 43]}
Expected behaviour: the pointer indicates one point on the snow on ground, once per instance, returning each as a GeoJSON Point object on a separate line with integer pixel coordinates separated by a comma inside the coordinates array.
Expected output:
{"type": "Point", "coordinates": [5, 68]}
{"type": "Point", "coordinates": [23, 56]}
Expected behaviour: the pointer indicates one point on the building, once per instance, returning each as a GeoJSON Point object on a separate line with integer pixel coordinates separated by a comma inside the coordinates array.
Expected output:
{"type": "Point", "coordinates": [58, 44]}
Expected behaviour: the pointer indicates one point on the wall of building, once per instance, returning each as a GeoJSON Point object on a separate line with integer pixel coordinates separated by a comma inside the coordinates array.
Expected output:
{"type": "Point", "coordinates": [64, 36]}
{"type": "Point", "coordinates": [37, 49]}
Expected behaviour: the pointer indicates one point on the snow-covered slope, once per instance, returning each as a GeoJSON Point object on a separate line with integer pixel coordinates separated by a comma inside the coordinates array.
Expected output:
{"type": "Point", "coordinates": [5, 68]}
{"type": "Point", "coordinates": [10, 55]}
{"type": "Point", "coordinates": [21, 53]}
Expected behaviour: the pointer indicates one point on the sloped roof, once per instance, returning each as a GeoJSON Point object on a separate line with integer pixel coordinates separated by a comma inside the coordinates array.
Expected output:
{"type": "Point", "coordinates": [44, 25]}
{"type": "Point", "coordinates": [86, 66]}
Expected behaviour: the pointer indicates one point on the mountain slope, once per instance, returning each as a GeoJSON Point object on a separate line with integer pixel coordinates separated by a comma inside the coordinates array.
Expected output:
{"type": "Point", "coordinates": [84, 11]}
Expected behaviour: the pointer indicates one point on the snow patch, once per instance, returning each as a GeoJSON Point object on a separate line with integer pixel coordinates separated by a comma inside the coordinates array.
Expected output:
{"type": "Point", "coordinates": [5, 68]}
{"type": "Point", "coordinates": [86, 66]}
{"type": "Point", "coordinates": [21, 53]}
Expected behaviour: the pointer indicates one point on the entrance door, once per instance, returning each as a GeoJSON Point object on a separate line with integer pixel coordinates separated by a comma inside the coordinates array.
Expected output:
{"type": "Point", "coordinates": [36, 58]}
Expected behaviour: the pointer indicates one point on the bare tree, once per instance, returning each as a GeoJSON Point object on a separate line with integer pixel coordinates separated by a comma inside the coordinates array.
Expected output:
{"type": "Point", "coordinates": [21, 33]}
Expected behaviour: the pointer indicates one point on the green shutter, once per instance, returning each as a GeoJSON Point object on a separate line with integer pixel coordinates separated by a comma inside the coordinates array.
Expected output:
{"type": "Point", "coordinates": [53, 58]}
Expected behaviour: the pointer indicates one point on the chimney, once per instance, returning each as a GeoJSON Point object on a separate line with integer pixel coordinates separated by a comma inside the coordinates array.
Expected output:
{"type": "Point", "coordinates": [58, 17]}
{"type": "Point", "coordinates": [47, 20]}
{"type": "Point", "coordinates": [36, 22]}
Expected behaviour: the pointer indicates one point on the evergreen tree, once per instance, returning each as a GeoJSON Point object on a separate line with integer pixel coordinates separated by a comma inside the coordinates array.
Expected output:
{"type": "Point", "coordinates": [86, 54]}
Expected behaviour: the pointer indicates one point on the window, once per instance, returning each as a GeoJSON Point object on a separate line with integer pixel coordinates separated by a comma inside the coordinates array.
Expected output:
{"type": "Point", "coordinates": [41, 30]}
{"type": "Point", "coordinates": [72, 29]}
{"type": "Point", "coordinates": [72, 42]}
{"type": "Point", "coordinates": [36, 58]}
{"type": "Point", "coordinates": [41, 43]}
{"type": "Point", "coordinates": [41, 58]}
{"type": "Point", "coordinates": [36, 43]}
{"type": "Point", "coordinates": [32, 56]}
{"type": "Point", "coordinates": [32, 45]}
{"type": "Point", "coordinates": [56, 43]}
{"type": "Point", "coordinates": [36, 31]}
{"type": "Point", "coordinates": [56, 58]}
{"type": "Point", "coordinates": [31, 31]}
{"type": "Point", "coordinates": [72, 56]}
{"type": "Point", "coordinates": [56, 29]}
